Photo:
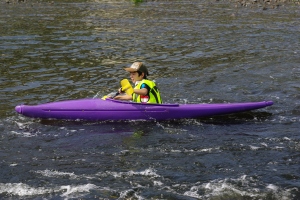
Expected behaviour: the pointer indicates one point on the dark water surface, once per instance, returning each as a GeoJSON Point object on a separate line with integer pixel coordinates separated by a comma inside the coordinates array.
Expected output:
{"type": "Point", "coordinates": [197, 52]}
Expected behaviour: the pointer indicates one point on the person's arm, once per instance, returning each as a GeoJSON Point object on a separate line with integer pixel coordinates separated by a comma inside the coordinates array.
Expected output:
{"type": "Point", "coordinates": [123, 97]}
{"type": "Point", "coordinates": [142, 91]}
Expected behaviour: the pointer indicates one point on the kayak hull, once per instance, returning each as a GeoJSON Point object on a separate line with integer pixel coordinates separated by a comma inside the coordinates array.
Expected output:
{"type": "Point", "coordinates": [98, 109]}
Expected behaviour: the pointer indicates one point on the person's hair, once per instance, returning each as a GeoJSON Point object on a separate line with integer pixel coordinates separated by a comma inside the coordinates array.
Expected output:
{"type": "Point", "coordinates": [140, 73]}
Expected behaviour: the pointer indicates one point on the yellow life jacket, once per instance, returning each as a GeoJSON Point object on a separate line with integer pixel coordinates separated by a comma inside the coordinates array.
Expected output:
{"type": "Point", "coordinates": [153, 95]}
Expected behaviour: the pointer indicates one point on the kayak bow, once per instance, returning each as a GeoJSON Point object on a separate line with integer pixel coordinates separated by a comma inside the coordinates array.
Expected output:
{"type": "Point", "coordinates": [109, 109]}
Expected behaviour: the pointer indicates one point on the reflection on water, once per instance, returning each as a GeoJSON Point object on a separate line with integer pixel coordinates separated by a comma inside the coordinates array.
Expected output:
{"type": "Point", "coordinates": [197, 52]}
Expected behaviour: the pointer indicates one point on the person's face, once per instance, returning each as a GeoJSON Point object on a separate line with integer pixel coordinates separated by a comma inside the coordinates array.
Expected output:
{"type": "Point", "coordinates": [135, 76]}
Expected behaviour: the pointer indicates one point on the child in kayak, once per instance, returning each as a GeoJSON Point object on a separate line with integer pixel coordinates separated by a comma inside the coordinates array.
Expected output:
{"type": "Point", "coordinates": [145, 91]}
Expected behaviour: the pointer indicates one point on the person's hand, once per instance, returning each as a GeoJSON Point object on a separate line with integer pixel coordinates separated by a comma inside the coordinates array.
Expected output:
{"type": "Point", "coordinates": [120, 90]}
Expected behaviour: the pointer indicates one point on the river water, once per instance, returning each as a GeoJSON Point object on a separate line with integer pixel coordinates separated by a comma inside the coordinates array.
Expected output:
{"type": "Point", "coordinates": [197, 52]}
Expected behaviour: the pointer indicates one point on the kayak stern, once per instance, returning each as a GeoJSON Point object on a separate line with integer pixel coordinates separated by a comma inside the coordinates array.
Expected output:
{"type": "Point", "coordinates": [18, 109]}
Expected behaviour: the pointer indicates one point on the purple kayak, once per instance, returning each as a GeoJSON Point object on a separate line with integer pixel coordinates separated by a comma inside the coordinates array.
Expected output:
{"type": "Point", "coordinates": [98, 109]}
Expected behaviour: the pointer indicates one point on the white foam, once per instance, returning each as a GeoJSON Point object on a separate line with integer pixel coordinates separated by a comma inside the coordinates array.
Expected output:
{"type": "Point", "coordinates": [147, 172]}
{"type": "Point", "coordinates": [22, 189]}
{"type": "Point", "coordinates": [23, 125]}
{"type": "Point", "coordinates": [272, 187]}
{"type": "Point", "coordinates": [278, 148]}
{"type": "Point", "coordinates": [50, 173]}
{"type": "Point", "coordinates": [193, 192]}
{"type": "Point", "coordinates": [175, 151]}
{"type": "Point", "coordinates": [207, 150]}
{"type": "Point", "coordinates": [71, 191]}
{"type": "Point", "coordinates": [219, 188]}
{"type": "Point", "coordinates": [130, 194]}
{"type": "Point", "coordinates": [157, 183]}
{"type": "Point", "coordinates": [253, 147]}
{"type": "Point", "coordinates": [23, 134]}
{"type": "Point", "coordinates": [264, 144]}
{"type": "Point", "coordinates": [242, 186]}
